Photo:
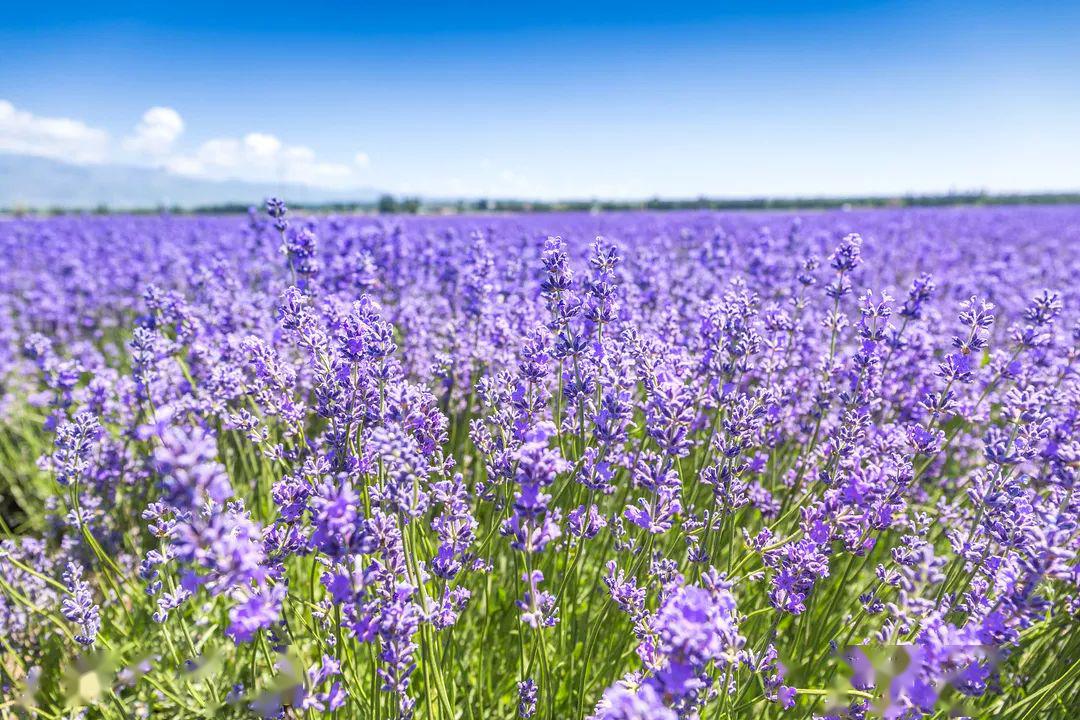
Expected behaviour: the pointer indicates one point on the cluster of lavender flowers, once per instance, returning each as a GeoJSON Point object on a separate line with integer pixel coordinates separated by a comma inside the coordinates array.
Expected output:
{"type": "Point", "coordinates": [617, 467]}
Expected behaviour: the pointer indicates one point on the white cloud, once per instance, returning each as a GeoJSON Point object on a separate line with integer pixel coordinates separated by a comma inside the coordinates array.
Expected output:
{"type": "Point", "coordinates": [262, 145]}
{"type": "Point", "coordinates": [362, 160]}
{"type": "Point", "coordinates": [261, 157]}
{"type": "Point", "coordinates": [255, 157]}
{"type": "Point", "coordinates": [156, 133]}
{"type": "Point", "coordinates": [60, 138]}
{"type": "Point", "coordinates": [299, 153]}
{"type": "Point", "coordinates": [222, 153]}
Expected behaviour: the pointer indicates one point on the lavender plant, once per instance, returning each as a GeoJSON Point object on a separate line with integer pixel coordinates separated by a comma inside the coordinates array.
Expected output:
{"type": "Point", "coordinates": [637, 466]}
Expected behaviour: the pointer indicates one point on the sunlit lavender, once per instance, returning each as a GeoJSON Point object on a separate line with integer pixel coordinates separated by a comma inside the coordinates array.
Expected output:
{"type": "Point", "coordinates": [615, 466]}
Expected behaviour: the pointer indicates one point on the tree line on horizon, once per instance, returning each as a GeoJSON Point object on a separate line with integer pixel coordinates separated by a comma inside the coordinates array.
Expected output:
{"type": "Point", "coordinates": [388, 204]}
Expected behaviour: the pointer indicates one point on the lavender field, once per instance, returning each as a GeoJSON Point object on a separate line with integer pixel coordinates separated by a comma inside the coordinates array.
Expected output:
{"type": "Point", "coordinates": [619, 466]}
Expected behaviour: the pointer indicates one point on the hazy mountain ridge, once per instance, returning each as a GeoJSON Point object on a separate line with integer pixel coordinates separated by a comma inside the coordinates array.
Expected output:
{"type": "Point", "coordinates": [34, 182]}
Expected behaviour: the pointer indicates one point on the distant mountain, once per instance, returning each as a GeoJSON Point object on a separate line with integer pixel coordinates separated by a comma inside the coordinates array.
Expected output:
{"type": "Point", "coordinates": [40, 183]}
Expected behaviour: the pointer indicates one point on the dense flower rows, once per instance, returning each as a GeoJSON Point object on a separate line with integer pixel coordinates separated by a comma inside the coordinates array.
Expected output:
{"type": "Point", "coordinates": [620, 467]}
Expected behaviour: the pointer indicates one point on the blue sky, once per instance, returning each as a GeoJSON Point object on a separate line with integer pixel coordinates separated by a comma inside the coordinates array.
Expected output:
{"type": "Point", "coordinates": [557, 99]}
